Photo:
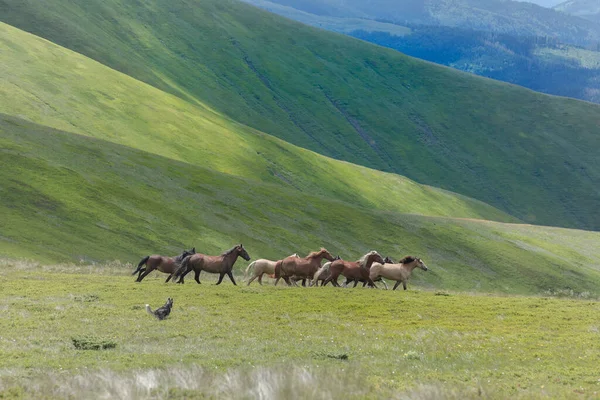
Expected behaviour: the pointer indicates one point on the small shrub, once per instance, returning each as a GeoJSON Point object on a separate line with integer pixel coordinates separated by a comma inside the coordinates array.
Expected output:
{"type": "Point", "coordinates": [93, 343]}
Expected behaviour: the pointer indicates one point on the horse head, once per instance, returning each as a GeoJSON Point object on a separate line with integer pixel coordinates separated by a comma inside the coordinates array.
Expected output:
{"type": "Point", "coordinates": [421, 264]}
{"type": "Point", "coordinates": [242, 252]}
{"type": "Point", "coordinates": [388, 260]}
{"type": "Point", "coordinates": [327, 255]}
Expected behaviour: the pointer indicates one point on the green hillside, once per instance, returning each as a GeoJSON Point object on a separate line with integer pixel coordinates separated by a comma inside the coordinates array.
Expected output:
{"type": "Point", "coordinates": [85, 97]}
{"type": "Point", "coordinates": [71, 197]}
{"type": "Point", "coordinates": [530, 155]}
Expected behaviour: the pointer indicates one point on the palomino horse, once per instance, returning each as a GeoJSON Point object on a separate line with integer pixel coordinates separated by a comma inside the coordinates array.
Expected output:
{"type": "Point", "coordinates": [221, 265]}
{"type": "Point", "coordinates": [358, 270]}
{"type": "Point", "coordinates": [397, 272]}
{"type": "Point", "coordinates": [168, 265]}
{"type": "Point", "coordinates": [261, 266]}
{"type": "Point", "coordinates": [300, 267]}
{"type": "Point", "coordinates": [386, 260]}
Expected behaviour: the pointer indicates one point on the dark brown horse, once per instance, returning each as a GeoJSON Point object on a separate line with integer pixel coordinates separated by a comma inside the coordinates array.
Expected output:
{"type": "Point", "coordinates": [168, 265]}
{"type": "Point", "coordinates": [357, 270]}
{"type": "Point", "coordinates": [221, 265]}
{"type": "Point", "coordinates": [300, 267]}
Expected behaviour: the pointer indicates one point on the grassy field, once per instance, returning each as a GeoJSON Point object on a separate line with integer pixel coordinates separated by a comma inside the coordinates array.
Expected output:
{"type": "Point", "coordinates": [246, 342]}
{"type": "Point", "coordinates": [528, 154]}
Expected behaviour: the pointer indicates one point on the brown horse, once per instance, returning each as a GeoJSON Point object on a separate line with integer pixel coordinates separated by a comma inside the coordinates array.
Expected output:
{"type": "Point", "coordinates": [397, 272]}
{"type": "Point", "coordinates": [386, 260]}
{"type": "Point", "coordinates": [168, 265]}
{"type": "Point", "coordinates": [221, 265]}
{"type": "Point", "coordinates": [300, 267]}
{"type": "Point", "coordinates": [358, 270]}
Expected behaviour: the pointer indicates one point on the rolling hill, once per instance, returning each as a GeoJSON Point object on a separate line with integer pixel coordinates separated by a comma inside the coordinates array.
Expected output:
{"type": "Point", "coordinates": [508, 17]}
{"type": "Point", "coordinates": [530, 155]}
{"type": "Point", "coordinates": [588, 9]}
{"type": "Point", "coordinates": [120, 179]}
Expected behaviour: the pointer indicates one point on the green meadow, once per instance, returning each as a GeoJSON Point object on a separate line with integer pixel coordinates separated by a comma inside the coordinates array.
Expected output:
{"type": "Point", "coordinates": [246, 342]}
{"type": "Point", "coordinates": [130, 128]}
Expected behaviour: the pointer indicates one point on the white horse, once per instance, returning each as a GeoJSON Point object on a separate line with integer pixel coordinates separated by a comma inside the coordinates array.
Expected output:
{"type": "Point", "coordinates": [397, 272]}
{"type": "Point", "coordinates": [261, 266]}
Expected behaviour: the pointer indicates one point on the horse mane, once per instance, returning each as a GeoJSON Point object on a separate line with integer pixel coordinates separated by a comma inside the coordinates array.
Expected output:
{"type": "Point", "coordinates": [362, 262]}
{"type": "Point", "coordinates": [314, 253]}
{"type": "Point", "coordinates": [407, 259]}
{"type": "Point", "coordinates": [228, 252]}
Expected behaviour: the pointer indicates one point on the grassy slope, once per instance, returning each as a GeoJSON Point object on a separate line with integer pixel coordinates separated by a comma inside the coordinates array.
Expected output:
{"type": "Point", "coordinates": [529, 154]}
{"type": "Point", "coordinates": [439, 346]}
{"type": "Point", "coordinates": [85, 97]}
{"type": "Point", "coordinates": [70, 197]}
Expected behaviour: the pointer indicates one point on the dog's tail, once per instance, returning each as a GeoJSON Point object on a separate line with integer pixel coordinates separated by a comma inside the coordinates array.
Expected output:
{"type": "Point", "coordinates": [149, 310]}
{"type": "Point", "coordinates": [251, 265]}
{"type": "Point", "coordinates": [143, 262]}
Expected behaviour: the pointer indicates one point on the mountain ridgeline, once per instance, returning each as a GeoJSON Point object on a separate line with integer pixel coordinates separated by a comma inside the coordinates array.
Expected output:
{"type": "Point", "coordinates": [528, 154]}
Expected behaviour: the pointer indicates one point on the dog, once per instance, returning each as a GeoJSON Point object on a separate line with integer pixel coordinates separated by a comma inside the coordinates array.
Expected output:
{"type": "Point", "coordinates": [162, 312]}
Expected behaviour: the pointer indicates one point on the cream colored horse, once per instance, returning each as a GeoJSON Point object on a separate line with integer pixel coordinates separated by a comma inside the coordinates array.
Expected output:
{"type": "Point", "coordinates": [397, 272]}
{"type": "Point", "coordinates": [260, 267]}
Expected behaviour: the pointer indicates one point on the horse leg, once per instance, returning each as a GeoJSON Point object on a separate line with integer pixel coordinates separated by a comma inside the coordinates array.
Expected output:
{"type": "Point", "coordinates": [303, 282]}
{"type": "Point", "coordinates": [396, 285]}
{"type": "Point", "coordinates": [230, 275]}
{"type": "Point", "coordinates": [197, 275]}
{"type": "Point", "coordinates": [276, 281]}
{"type": "Point", "coordinates": [404, 284]}
{"type": "Point", "coordinates": [169, 278]}
{"type": "Point", "coordinates": [384, 284]}
{"type": "Point", "coordinates": [253, 278]}
{"type": "Point", "coordinates": [287, 280]}
{"type": "Point", "coordinates": [142, 276]}
{"type": "Point", "coordinates": [187, 271]}
{"type": "Point", "coordinates": [355, 283]}
{"type": "Point", "coordinates": [260, 279]}
{"type": "Point", "coordinates": [221, 275]}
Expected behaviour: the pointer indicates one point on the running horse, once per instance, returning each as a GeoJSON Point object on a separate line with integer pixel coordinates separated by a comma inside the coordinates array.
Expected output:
{"type": "Point", "coordinates": [260, 267]}
{"type": "Point", "coordinates": [397, 272]}
{"type": "Point", "coordinates": [300, 267]}
{"type": "Point", "coordinates": [168, 265]}
{"type": "Point", "coordinates": [222, 265]}
{"type": "Point", "coordinates": [386, 260]}
{"type": "Point", "coordinates": [357, 270]}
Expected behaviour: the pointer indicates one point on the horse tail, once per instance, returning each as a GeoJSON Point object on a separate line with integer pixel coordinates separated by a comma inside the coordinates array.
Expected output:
{"type": "Point", "coordinates": [278, 269]}
{"type": "Point", "coordinates": [251, 265]}
{"type": "Point", "coordinates": [143, 262]}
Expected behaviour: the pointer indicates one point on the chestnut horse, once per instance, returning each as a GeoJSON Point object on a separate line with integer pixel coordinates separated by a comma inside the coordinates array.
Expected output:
{"type": "Point", "coordinates": [168, 265]}
{"type": "Point", "coordinates": [323, 272]}
{"type": "Point", "coordinates": [221, 265]}
{"type": "Point", "coordinates": [300, 267]}
{"type": "Point", "coordinates": [397, 272]}
{"type": "Point", "coordinates": [386, 260]}
{"type": "Point", "coordinates": [260, 267]}
{"type": "Point", "coordinates": [358, 270]}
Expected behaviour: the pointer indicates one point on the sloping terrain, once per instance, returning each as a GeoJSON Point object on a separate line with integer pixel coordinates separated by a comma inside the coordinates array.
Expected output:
{"type": "Point", "coordinates": [588, 9]}
{"type": "Point", "coordinates": [530, 155]}
{"type": "Point", "coordinates": [508, 17]}
{"type": "Point", "coordinates": [69, 194]}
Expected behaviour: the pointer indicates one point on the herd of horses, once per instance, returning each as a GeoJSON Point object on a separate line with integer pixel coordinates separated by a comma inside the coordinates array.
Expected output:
{"type": "Point", "coordinates": [370, 268]}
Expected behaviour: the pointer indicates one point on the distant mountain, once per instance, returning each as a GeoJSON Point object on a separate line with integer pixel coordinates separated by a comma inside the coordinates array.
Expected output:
{"type": "Point", "coordinates": [588, 9]}
{"type": "Point", "coordinates": [536, 62]}
{"type": "Point", "coordinates": [508, 17]}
